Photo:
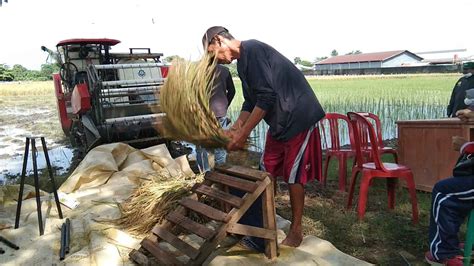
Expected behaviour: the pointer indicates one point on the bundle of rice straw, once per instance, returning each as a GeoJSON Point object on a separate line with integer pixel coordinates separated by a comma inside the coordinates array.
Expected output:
{"type": "Point", "coordinates": [185, 100]}
{"type": "Point", "coordinates": [153, 200]}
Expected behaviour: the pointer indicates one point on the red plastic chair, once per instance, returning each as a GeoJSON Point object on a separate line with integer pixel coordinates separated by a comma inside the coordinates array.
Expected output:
{"type": "Point", "coordinates": [376, 169]}
{"type": "Point", "coordinates": [336, 121]}
{"type": "Point", "coordinates": [378, 127]}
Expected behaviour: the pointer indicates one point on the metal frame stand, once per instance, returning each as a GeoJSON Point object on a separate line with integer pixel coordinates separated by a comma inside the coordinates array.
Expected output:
{"type": "Point", "coordinates": [35, 174]}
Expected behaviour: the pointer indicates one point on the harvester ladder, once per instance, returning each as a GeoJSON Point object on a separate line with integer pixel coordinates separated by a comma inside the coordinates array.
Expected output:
{"type": "Point", "coordinates": [215, 186]}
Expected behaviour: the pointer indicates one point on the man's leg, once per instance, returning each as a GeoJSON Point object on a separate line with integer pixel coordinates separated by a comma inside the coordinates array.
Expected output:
{"type": "Point", "coordinates": [295, 235]}
{"type": "Point", "coordinates": [302, 165]}
{"type": "Point", "coordinates": [220, 155]}
{"type": "Point", "coordinates": [452, 199]}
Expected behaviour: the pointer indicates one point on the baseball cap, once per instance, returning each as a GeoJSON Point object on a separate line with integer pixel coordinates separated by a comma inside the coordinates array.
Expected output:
{"type": "Point", "coordinates": [211, 33]}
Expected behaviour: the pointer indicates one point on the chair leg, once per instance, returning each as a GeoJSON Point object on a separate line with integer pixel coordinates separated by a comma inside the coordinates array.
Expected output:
{"type": "Point", "coordinates": [363, 195]}
{"type": "Point", "coordinates": [395, 157]}
{"type": "Point", "coordinates": [391, 185]}
{"type": "Point", "coordinates": [326, 165]}
{"type": "Point", "coordinates": [342, 172]}
{"type": "Point", "coordinates": [412, 191]}
{"type": "Point", "coordinates": [355, 171]}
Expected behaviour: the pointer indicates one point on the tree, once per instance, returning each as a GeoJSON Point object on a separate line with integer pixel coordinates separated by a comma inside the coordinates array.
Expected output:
{"type": "Point", "coordinates": [297, 60]}
{"type": "Point", "coordinates": [320, 58]}
{"type": "Point", "coordinates": [354, 52]}
{"type": "Point", "coordinates": [306, 63]}
{"type": "Point", "coordinates": [19, 72]}
{"type": "Point", "coordinates": [47, 70]}
{"type": "Point", "coordinates": [5, 73]}
{"type": "Point", "coordinates": [334, 53]}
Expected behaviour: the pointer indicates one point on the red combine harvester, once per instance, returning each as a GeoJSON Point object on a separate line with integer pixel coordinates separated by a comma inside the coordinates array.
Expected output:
{"type": "Point", "coordinates": [106, 97]}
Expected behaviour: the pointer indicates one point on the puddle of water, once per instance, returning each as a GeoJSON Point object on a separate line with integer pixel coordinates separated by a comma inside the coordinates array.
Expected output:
{"type": "Point", "coordinates": [59, 157]}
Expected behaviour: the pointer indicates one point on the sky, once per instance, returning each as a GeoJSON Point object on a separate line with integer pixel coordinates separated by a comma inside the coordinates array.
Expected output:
{"type": "Point", "coordinates": [297, 28]}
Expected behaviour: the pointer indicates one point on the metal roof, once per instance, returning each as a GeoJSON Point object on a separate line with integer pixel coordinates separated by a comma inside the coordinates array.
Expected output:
{"type": "Point", "coordinates": [366, 57]}
{"type": "Point", "coordinates": [103, 41]}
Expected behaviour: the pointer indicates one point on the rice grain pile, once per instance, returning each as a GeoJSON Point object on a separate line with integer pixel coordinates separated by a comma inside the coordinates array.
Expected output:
{"type": "Point", "coordinates": [185, 99]}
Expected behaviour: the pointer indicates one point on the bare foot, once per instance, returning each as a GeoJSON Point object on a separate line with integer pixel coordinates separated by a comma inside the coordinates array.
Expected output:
{"type": "Point", "coordinates": [293, 239]}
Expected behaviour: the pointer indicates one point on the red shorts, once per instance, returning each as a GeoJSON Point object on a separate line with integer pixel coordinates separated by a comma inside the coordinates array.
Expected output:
{"type": "Point", "coordinates": [298, 160]}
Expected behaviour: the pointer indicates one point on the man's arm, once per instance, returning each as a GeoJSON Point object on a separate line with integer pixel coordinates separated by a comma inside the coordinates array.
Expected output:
{"type": "Point", "coordinates": [244, 115]}
{"type": "Point", "coordinates": [239, 138]}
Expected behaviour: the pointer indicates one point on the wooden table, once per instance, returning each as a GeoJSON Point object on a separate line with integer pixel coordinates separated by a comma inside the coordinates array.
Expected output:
{"type": "Point", "coordinates": [426, 147]}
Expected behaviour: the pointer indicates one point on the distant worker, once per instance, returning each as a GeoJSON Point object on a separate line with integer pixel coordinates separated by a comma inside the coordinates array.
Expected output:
{"type": "Point", "coordinates": [221, 97]}
{"type": "Point", "coordinates": [458, 95]}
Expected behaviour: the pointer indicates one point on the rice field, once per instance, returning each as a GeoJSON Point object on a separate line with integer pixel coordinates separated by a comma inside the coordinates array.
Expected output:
{"type": "Point", "coordinates": [392, 98]}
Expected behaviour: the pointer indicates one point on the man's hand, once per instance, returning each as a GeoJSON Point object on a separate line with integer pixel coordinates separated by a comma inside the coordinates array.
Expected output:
{"type": "Point", "coordinates": [239, 138]}
{"type": "Point", "coordinates": [457, 142]}
{"type": "Point", "coordinates": [465, 114]}
{"type": "Point", "coordinates": [236, 126]}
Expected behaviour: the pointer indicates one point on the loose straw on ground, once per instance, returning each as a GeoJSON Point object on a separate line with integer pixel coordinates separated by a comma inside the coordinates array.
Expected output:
{"type": "Point", "coordinates": [184, 99]}
{"type": "Point", "coordinates": [152, 201]}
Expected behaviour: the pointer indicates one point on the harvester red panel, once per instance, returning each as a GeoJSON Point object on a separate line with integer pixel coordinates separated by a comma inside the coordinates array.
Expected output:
{"type": "Point", "coordinates": [80, 99]}
{"type": "Point", "coordinates": [164, 71]}
{"type": "Point", "coordinates": [63, 118]}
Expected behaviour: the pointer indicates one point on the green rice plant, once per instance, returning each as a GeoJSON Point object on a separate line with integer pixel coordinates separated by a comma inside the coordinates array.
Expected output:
{"type": "Point", "coordinates": [391, 97]}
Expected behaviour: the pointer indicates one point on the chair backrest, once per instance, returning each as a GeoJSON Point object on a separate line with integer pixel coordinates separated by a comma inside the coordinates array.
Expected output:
{"type": "Point", "coordinates": [336, 122]}
{"type": "Point", "coordinates": [362, 128]}
{"type": "Point", "coordinates": [378, 126]}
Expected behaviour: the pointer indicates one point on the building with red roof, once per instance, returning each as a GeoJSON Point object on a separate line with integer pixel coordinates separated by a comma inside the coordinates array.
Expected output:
{"type": "Point", "coordinates": [367, 63]}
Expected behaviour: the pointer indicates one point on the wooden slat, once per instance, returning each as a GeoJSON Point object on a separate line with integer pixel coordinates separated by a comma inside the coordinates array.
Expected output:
{"type": "Point", "coordinates": [203, 209]}
{"type": "Point", "coordinates": [247, 230]}
{"type": "Point", "coordinates": [161, 255]}
{"type": "Point", "coordinates": [179, 244]}
{"type": "Point", "coordinates": [231, 181]}
{"type": "Point", "coordinates": [219, 195]}
{"type": "Point", "coordinates": [139, 258]}
{"type": "Point", "coordinates": [190, 225]}
{"type": "Point", "coordinates": [234, 215]}
{"type": "Point", "coordinates": [244, 172]}
{"type": "Point", "coordinates": [269, 219]}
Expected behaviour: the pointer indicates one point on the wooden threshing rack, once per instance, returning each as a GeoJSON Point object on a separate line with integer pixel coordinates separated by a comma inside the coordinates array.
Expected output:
{"type": "Point", "coordinates": [216, 184]}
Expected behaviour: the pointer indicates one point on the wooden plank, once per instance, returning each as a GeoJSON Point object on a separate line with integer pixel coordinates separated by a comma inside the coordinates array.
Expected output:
{"type": "Point", "coordinates": [247, 230]}
{"type": "Point", "coordinates": [244, 172]}
{"type": "Point", "coordinates": [231, 181]}
{"type": "Point", "coordinates": [219, 195]}
{"type": "Point", "coordinates": [204, 209]}
{"type": "Point", "coordinates": [191, 225]}
{"type": "Point", "coordinates": [139, 258]}
{"type": "Point", "coordinates": [161, 255]}
{"type": "Point", "coordinates": [179, 244]}
{"type": "Point", "coordinates": [269, 219]}
{"type": "Point", "coordinates": [234, 215]}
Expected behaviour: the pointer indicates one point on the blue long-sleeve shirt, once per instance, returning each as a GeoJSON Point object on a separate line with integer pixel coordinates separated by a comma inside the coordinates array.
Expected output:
{"type": "Point", "coordinates": [271, 82]}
